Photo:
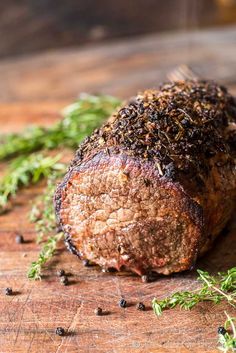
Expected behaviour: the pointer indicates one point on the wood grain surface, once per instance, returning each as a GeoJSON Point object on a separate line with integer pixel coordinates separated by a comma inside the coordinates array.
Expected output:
{"type": "Point", "coordinates": [33, 90]}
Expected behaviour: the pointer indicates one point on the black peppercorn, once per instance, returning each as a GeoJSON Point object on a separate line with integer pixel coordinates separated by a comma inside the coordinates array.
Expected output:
{"type": "Point", "coordinates": [98, 311]}
{"type": "Point", "coordinates": [8, 291]}
{"type": "Point", "coordinates": [64, 280]}
{"type": "Point", "coordinates": [221, 330]}
{"type": "Point", "coordinates": [185, 122]}
{"type": "Point", "coordinates": [122, 303]}
{"type": "Point", "coordinates": [140, 306]}
{"type": "Point", "coordinates": [60, 331]}
{"type": "Point", "coordinates": [19, 239]}
{"type": "Point", "coordinates": [170, 170]}
{"type": "Point", "coordinates": [61, 273]}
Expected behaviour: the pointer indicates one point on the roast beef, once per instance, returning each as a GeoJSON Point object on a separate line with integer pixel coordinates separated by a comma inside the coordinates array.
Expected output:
{"type": "Point", "coordinates": [153, 187]}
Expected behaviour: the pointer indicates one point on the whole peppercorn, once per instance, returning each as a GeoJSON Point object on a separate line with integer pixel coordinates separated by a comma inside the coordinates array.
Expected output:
{"type": "Point", "coordinates": [61, 273]}
{"type": "Point", "coordinates": [185, 122]}
{"type": "Point", "coordinates": [145, 279]}
{"type": "Point", "coordinates": [60, 331]}
{"type": "Point", "coordinates": [140, 306]}
{"type": "Point", "coordinates": [98, 311]}
{"type": "Point", "coordinates": [64, 280]}
{"type": "Point", "coordinates": [8, 291]}
{"type": "Point", "coordinates": [122, 303]}
{"type": "Point", "coordinates": [221, 330]}
{"type": "Point", "coordinates": [19, 239]}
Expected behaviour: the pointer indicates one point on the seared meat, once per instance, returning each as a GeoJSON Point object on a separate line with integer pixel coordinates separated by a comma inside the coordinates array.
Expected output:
{"type": "Point", "coordinates": [154, 186]}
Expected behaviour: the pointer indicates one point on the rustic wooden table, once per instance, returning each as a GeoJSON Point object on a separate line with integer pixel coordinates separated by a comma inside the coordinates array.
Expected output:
{"type": "Point", "coordinates": [32, 90]}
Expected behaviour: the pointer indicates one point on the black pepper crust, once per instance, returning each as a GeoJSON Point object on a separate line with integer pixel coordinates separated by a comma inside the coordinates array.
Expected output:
{"type": "Point", "coordinates": [71, 247]}
{"type": "Point", "coordinates": [180, 128]}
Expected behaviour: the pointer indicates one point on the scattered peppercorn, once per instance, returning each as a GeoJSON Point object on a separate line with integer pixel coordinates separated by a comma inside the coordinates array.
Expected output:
{"type": "Point", "coordinates": [8, 291]}
{"type": "Point", "coordinates": [140, 306]}
{"type": "Point", "coordinates": [122, 303]}
{"type": "Point", "coordinates": [98, 311]}
{"type": "Point", "coordinates": [60, 331]}
{"type": "Point", "coordinates": [19, 239]}
{"type": "Point", "coordinates": [221, 330]}
{"type": "Point", "coordinates": [145, 279]}
{"type": "Point", "coordinates": [64, 280]}
{"type": "Point", "coordinates": [61, 273]}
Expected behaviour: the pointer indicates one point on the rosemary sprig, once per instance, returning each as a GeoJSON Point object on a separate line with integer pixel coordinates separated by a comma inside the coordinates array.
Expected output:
{"type": "Point", "coordinates": [24, 171]}
{"type": "Point", "coordinates": [46, 253]}
{"type": "Point", "coordinates": [214, 289]}
{"type": "Point", "coordinates": [79, 120]}
{"type": "Point", "coordinates": [227, 340]}
{"type": "Point", "coordinates": [42, 212]}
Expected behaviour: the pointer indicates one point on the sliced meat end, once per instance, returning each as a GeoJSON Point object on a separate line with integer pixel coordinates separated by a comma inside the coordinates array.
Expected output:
{"type": "Point", "coordinates": [119, 213]}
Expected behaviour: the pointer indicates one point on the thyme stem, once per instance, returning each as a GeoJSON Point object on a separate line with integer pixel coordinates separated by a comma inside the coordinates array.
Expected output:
{"type": "Point", "coordinates": [23, 171]}
{"type": "Point", "coordinates": [79, 120]}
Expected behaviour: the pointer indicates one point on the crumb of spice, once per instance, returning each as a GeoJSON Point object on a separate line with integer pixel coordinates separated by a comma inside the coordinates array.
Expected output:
{"type": "Point", "coordinates": [86, 263]}
{"type": "Point", "coordinates": [8, 291]}
{"type": "Point", "coordinates": [122, 303]}
{"type": "Point", "coordinates": [60, 331]}
{"type": "Point", "coordinates": [61, 273]}
{"type": "Point", "coordinates": [98, 311]}
{"type": "Point", "coordinates": [145, 279]}
{"type": "Point", "coordinates": [221, 330]}
{"type": "Point", "coordinates": [140, 306]}
{"type": "Point", "coordinates": [19, 239]}
{"type": "Point", "coordinates": [64, 280]}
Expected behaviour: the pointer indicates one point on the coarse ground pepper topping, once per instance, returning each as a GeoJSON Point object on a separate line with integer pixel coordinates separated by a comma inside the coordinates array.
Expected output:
{"type": "Point", "coordinates": [179, 127]}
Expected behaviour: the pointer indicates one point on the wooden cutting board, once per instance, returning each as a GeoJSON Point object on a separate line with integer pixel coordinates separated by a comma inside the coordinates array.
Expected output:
{"type": "Point", "coordinates": [33, 90]}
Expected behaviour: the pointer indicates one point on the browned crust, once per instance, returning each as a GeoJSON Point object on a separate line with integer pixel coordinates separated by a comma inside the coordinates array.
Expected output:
{"type": "Point", "coordinates": [186, 130]}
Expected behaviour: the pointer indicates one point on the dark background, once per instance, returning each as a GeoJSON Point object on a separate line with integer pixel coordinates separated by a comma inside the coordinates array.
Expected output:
{"type": "Point", "coordinates": [35, 25]}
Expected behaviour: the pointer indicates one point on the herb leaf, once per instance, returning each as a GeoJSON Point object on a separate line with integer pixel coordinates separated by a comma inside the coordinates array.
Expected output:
{"type": "Point", "coordinates": [42, 212]}
{"type": "Point", "coordinates": [214, 289]}
{"type": "Point", "coordinates": [79, 120]}
{"type": "Point", "coordinates": [45, 255]}
{"type": "Point", "coordinates": [26, 170]}
{"type": "Point", "coordinates": [228, 340]}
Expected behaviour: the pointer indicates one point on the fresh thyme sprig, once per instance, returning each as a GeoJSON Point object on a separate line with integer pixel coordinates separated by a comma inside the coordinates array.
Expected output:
{"type": "Point", "coordinates": [227, 340]}
{"type": "Point", "coordinates": [46, 253]}
{"type": "Point", "coordinates": [42, 212]}
{"type": "Point", "coordinates": [26, 170]}
{"type": "Point", "coordinates": [79, 120]}
{"type": "Point", "coordinates": [214, 289]}
{"type": "Point", "coordinates": [43, 215]}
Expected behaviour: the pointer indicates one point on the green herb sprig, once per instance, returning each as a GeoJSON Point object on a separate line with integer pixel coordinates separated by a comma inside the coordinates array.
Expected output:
{"type": "Point", "coordinates": [227, 340]}
{"type": "Point", "coordinates": [23, 171]}
{"type": "Point", "coordinates": [42, 213]}
{"type": "Point", "coordinates": [46, 253]}
{"type": "Point", "coordinates": [214, 289]}
{"type": "Point", "coordinates": [79, 120]}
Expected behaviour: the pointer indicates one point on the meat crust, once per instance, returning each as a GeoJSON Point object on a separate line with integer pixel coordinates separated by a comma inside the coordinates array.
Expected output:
{"type": "Point", "coordinates": [153, 187]}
